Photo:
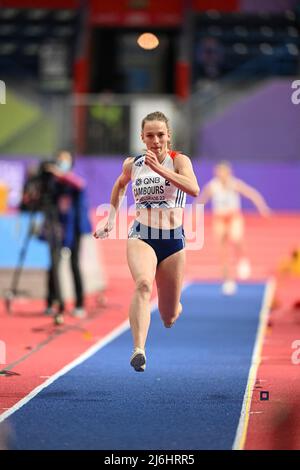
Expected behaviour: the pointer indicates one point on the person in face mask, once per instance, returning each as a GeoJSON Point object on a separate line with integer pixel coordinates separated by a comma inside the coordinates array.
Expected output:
{"type": "Point", "coordinates": [73, 219]}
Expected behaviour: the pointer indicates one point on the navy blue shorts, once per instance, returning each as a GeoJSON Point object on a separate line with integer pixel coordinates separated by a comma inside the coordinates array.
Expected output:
{"type": "Point", "coordinates": [164, 242]}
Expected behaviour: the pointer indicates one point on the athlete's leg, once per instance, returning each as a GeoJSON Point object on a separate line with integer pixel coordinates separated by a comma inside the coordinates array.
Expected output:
{"type": "Point", "coordinates": [142, 263]}
{"type": "Point", "coordinates": [220, 231]}
{"type": "Point", "coordinates": [169, 278]}
{"type": "Point", "coordinates": [236, 234]}
{"type": "Point", "coordinates": [224, 253]}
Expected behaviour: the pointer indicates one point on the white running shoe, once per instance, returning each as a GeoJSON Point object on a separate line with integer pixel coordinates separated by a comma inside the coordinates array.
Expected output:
{"type": "Point", "coordinates": [138, 360]}
{"type": "Point", "coordinates": [243, 269]}
{"type": "Point", "coordinates": [59, 319]}
{"type": "Point", "coordinates": [229, 288]}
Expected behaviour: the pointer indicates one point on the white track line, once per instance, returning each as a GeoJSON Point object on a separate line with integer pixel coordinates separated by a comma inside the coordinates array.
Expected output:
{"type": "Point", "coordinates": [241, 434]}
{"type": "Point", "coordinates": [92, 350]}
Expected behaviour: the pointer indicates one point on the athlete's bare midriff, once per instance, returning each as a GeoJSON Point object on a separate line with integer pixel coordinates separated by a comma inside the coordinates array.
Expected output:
{"type": "Point", "coordinates": [167, 218]}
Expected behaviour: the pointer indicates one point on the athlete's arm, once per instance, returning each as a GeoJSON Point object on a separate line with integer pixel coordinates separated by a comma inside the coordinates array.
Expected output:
{"type": "Point", "coordinates": [117, 194]}
{"type": "Point", "coordinates": [205, 194]}
{"type": "Point", "coordinates": [120, 187]}
{"type": "Point", "coordinates": [183, 177]}
{"type": "Point", "coordinates": [251, 193]}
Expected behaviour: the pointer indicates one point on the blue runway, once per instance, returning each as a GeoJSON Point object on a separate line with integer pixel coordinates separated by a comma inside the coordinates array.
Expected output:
{"type": "Point", "coordinates": [189, 397]}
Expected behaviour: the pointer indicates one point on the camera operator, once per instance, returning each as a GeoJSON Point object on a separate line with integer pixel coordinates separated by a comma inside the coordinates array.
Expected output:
{"type": "Point", "coordinates": [72, 222]}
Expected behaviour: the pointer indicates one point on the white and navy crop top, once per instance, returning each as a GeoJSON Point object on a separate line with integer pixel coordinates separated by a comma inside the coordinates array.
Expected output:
{"type": "Point", "coordinates": [225, 199]}
{"type": "Point", "coordinates": [152, 191]}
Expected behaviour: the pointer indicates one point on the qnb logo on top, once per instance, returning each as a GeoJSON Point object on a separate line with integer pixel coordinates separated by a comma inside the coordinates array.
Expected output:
{"type": "Point", "coordinates": [2, 92]}
{"type": "Point", "coordinates": [296, 94]}
{"type": "Point", "coordinates": [154, 180]}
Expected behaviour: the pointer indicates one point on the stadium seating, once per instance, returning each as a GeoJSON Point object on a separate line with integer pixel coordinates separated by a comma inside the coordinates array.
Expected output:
{"type": "Point", "coordinates": [23, 32]}
{"type": "Point", "coordinates": [253, 44]}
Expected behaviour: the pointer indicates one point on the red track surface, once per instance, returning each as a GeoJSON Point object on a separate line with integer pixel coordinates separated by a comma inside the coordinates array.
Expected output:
{"type": "Point", "coordinates": [36, 349]}
{"type": "Point", "coordinates": [268, 241]}
{"type": "Point", "coordinates": [275, 424]}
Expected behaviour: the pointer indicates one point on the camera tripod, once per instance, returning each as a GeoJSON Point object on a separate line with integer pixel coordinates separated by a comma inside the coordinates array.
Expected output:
{"type": "Point", "coordinates": [13, 291]}
{"type": "Point", "coordinates": [53, 238]}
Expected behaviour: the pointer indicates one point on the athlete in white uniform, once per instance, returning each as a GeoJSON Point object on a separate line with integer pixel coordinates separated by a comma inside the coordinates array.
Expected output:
{"type": "Point", "coordinates": [160, 180]}
{"type": "Point", "coordinates": [225, 190]}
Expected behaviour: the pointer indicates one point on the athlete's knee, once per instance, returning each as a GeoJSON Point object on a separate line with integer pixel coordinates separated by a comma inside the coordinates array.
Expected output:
{"type": "Point", "coordinates": [143, 286]}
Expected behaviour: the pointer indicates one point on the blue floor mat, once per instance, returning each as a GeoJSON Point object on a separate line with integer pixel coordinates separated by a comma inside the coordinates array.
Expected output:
{"type": "Point", "coordinates": [189, 397]}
